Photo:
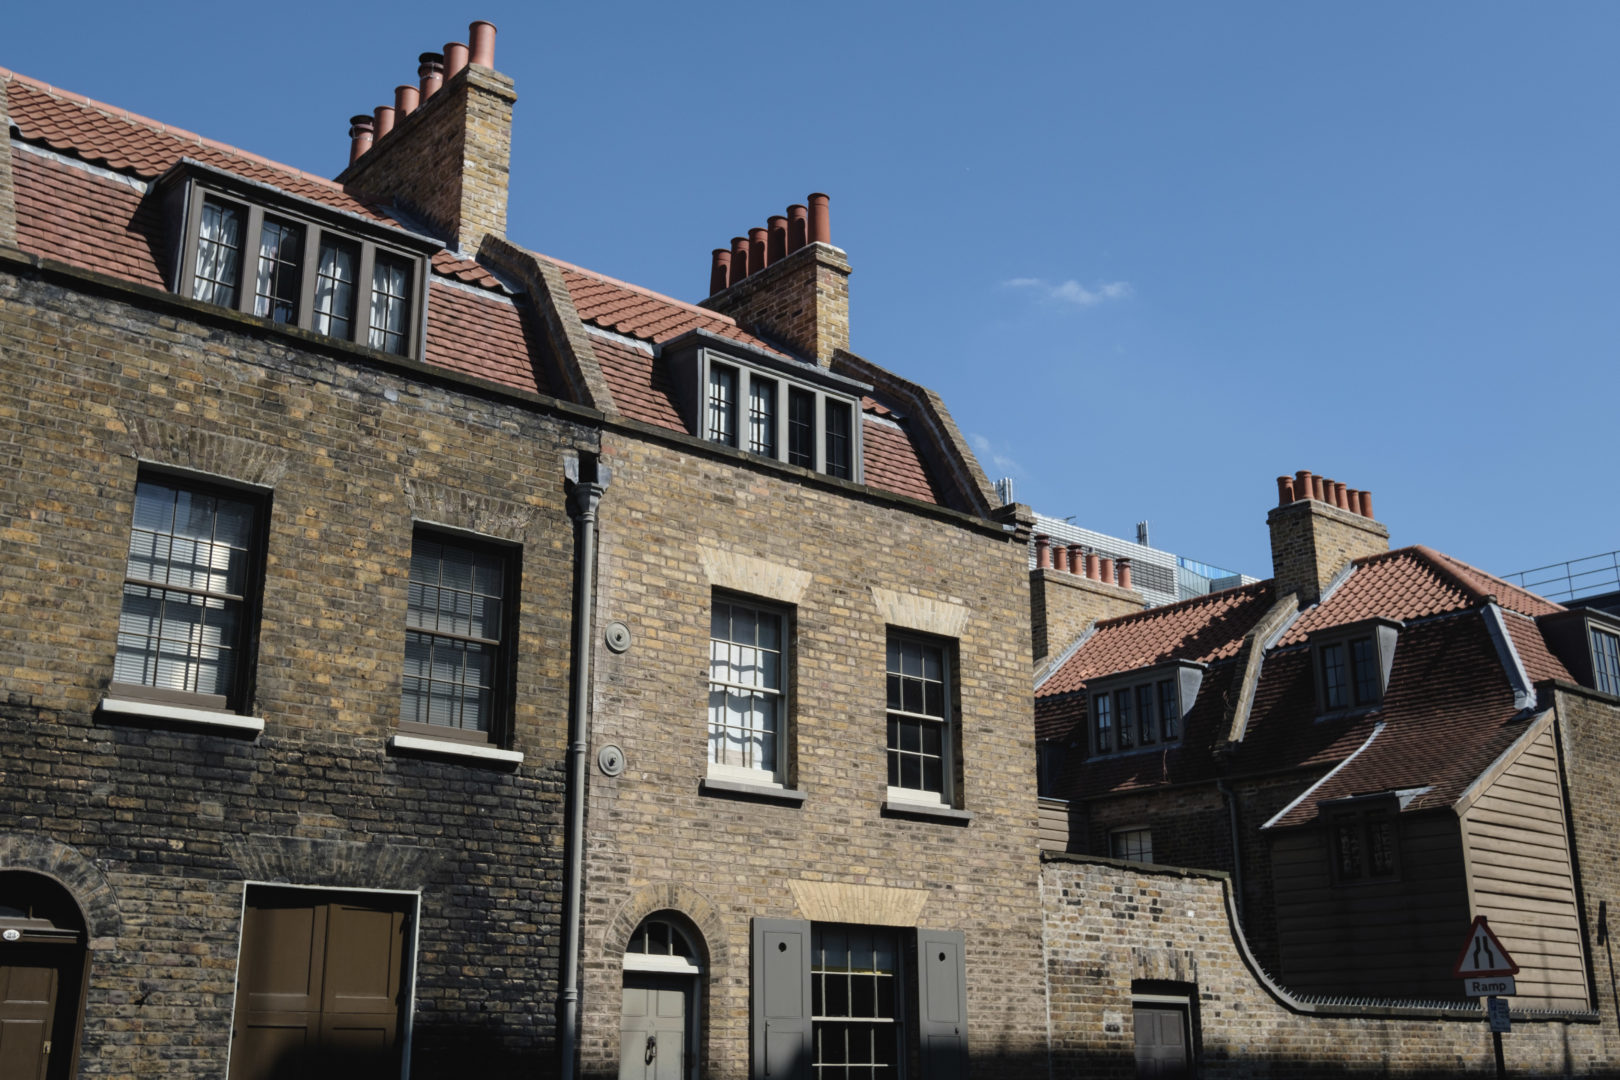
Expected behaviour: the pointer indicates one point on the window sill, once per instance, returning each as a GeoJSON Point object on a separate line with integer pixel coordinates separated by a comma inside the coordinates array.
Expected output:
{"type": "Point", "coordinates": [415, 744]}
{"type": "Point", "coordinates": [710, 785]}
{"type": "Point", "coordinates": [926, 811]}
{"type": "Point", "coordinates": [183, 714]}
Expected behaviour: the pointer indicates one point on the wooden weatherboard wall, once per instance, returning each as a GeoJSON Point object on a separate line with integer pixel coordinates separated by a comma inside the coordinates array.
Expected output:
{"type": "Point", "coordinates": [1519, 874]}
{"type": "Point", "coordinates": [1370, 938]}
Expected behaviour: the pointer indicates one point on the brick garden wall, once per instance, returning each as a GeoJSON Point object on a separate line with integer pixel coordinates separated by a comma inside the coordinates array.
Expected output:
{"type": "Point", "coordinates": [1109, 926]}
{"type": "Point", "coordinates": [161, 826]}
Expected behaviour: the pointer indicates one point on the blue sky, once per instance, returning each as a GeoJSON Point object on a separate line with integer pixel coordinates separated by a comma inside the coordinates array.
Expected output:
{"type": "Point", "coordinates": [1152, 256]}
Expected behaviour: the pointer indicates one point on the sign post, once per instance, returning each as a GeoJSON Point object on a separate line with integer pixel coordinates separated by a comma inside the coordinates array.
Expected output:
{"type": "Point", "coordinates": [1487, 971]}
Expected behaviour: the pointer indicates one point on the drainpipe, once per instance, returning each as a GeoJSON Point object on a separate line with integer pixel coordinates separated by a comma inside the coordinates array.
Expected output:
{"type": "Point", "coordinates": [587, 481]}
{"type": "Point", "coordinates": [1237, 852]}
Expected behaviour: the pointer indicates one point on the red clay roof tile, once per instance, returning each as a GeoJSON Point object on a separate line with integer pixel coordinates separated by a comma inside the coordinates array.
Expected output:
{"type": "Point", "coordinates": [891, 462]}
{"type": "Point", "coordinates": [1206, 629]}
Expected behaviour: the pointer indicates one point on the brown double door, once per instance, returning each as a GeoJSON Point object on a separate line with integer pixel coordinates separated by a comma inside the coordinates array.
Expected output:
{"type": "Point", "coordinates": [320, 985]}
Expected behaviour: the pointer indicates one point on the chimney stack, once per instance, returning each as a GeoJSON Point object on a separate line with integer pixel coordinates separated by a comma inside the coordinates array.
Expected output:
{"type": "Point", "coordinates": [792, 288]}
{"type": "Point", "coordinates": [1318, 528]}
{"type": "Point", "coordinates": [448, 156]}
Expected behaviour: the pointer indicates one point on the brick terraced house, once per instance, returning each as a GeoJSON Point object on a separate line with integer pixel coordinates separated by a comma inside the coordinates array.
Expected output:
{"type": "Point", "coordinates": [1376, 745]}
{"type": "Point", "coordinates": [338, 533]}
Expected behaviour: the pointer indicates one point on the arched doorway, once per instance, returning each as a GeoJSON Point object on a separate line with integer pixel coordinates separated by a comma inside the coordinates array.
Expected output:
{"type": "Point", "coordinates": [43, 959]}
{"type": "Point", "coordinates": [658, 1029]}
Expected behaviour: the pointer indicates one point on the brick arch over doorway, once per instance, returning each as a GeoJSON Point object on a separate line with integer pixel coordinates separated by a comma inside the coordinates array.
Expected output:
{"type": "Point", "coordinates": [681, 899]}
{"type": "Point", "coordinates": [91, 891]}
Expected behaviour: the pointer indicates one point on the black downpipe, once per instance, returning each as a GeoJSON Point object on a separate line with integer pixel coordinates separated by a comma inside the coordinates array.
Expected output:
{"type": "Point", "coordinates": [587, 482]}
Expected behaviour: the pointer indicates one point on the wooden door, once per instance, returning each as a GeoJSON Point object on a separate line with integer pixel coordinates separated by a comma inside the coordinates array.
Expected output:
{"type": "Point", "coordinates": [27, 1007]}
{"type": "Point", "coordinates": [320, 979]}
{"type": "Point", "coordinates": [653, 1029]}
{"type": "Point", "coordinates": [1162, 1049]}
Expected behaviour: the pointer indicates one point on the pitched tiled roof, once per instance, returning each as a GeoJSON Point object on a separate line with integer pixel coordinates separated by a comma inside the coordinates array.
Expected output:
{"type": "Point", "coordinates": [1411, 583]}
{"type": "Point", "coordinates": [1448, 714]}
{"type": "Point", "coordinates": [125, 142]}
{"type": "Point", "coordinates": [88, 221]}
{"type": "Point", "coordinates": [891, 462]}
{"type": "Point", "coordinates": [72, 214]}
{"type": "Point", "coordinates": [1204, 629]}
{"type": "Point", "coordinates": [640, 385]}
{"type": "Point", "coordinates": [484, 337]}
{"type": "Point", "coordinates": [641, 313]}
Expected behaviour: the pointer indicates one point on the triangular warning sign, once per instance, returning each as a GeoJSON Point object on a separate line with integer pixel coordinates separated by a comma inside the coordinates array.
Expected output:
{"type": "Point", "coordinates": [1483, 954]}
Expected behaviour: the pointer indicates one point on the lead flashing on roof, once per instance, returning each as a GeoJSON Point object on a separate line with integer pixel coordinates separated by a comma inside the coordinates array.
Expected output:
{"type": "Point", "coordinates": [1056, 665]}
{"type": "Point", "coordinates": [1524, 694]}
{"type": "Point", "coordinates": [1331, 773]}
{"type": "Point", "coordinates": [1503, 761]}
{"type": "Point", "coordinates": [83, 166]}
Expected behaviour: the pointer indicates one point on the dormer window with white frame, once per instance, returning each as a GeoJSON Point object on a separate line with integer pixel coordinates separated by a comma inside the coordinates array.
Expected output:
{"type": "Point", "coordinates": [1352, 664]}
{"type": "Point", "coordinates": [1143, 709]}
{"type": "Point", "coordinates": [769, 406]}
{"type": "Point", "coordinates": [262, 252]}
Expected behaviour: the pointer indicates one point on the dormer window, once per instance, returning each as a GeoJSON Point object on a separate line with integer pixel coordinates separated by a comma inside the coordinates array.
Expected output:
{"type": "Point", "coordinates": [265, 253]}
{"type": "Point", "coordinates": [1142, 710]}
{"type": "Point", "coordinates": [1587, 642]}
{"type": "Point", "coordinates": [768, 405]}
{"type": "Point", "coordinates": [1605, 661]}
{"type": "Point", "coordinates": [1352, 664]}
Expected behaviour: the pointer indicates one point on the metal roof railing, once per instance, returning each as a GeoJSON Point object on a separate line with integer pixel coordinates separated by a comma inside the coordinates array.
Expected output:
{"type": "Point", "coordinates": [1572, 579]}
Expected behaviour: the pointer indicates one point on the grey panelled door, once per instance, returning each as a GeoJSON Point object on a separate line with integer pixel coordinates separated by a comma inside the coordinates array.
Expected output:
{"type": "Point", "coordinates": [27, 1005]}
{"type": "Point", "coordinates": [942, 1004]}
{"type": "Point", "coordinates": [318, 972]}
{"type": "Point", "coordinates": [652, 1034]}
{"type": "Point", "coordinates": [1162, 1050]}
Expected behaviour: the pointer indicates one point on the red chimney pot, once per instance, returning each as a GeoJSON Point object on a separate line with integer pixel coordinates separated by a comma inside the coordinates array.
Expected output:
{"type": "Point", "coordinates": [1093, 571]}
{"type": "Point", "coordinates": [482, 36]}
{"type": "Point", "coordinates": [798, 226]}
{"type": "Point", "coordinates": [758, 241]}
{"type": "Point", "coordinates": [1106, 570]}
{"type": "Point", "coordinates": [1302, 484]}
{"type": "Point", "coordinates": [1285, 490]}
{"type": "Point", "coordinates": [406, 98]}
{"type": "Point", "coordinates": [719, 270]}
{"type": "Point", "coordinates": [820, 226]}
{"type": "Point", "coordinates": [455, 58]}
{"type": "Point", "coordinates": [1043, 552]}
{"type": "Point", "coordinates": [1366, 504]}
{"type": "Point", "coordinates": [1124, 573]}
{"type": "Point", "coordinates": [383, 118]}
{"type": "Point", "coordinates": [361, 131]}
{"type": "Point", "coordinates": [739, 259]}
{"type": "Point", "coordinates": [778, 226]}
{"type": "Point", "coordinates": [430, 70]}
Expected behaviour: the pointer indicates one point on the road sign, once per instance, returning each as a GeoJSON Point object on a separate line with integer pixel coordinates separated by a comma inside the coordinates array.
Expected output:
{"type": "Point", "coordinates": [1482, 954]}
{"type": "Point", "coordinates": [1497, 1010]}
{"type": "Point", "coordinates": [1489, 986]}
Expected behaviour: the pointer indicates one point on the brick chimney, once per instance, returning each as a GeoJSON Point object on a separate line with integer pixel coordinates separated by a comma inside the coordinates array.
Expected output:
{"type": "Point", "coordinates": [447, 158]}
{"type": "Point", "coordinates": [799, 299]}
{"type": "Point", "coordinates": [1317, 528]}
{"type": "Point", "coordinates": [1065, 599]}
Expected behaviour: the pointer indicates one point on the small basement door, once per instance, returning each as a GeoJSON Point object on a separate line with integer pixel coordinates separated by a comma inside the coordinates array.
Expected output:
{"type": "Point", "coordinates": [1163, 1049]}
{"type": "Point", "coordinates": [321, 980]}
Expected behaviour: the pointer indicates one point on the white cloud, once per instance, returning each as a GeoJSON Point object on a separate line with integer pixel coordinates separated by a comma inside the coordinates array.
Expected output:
{"type": "Point", "coordinates": [1072, 292]}
{"type": "Point", "coordinates": [989, 452]}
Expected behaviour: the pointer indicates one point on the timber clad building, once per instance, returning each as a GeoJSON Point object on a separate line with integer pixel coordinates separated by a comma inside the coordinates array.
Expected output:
{"type": "Point", "coordinates": [422, 656]}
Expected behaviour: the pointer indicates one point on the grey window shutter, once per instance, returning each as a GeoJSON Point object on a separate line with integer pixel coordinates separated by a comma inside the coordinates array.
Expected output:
{"type": "Point", "coordinates": [781, 999]}
{"type": "Point", "coordinates": [941, 1004]}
